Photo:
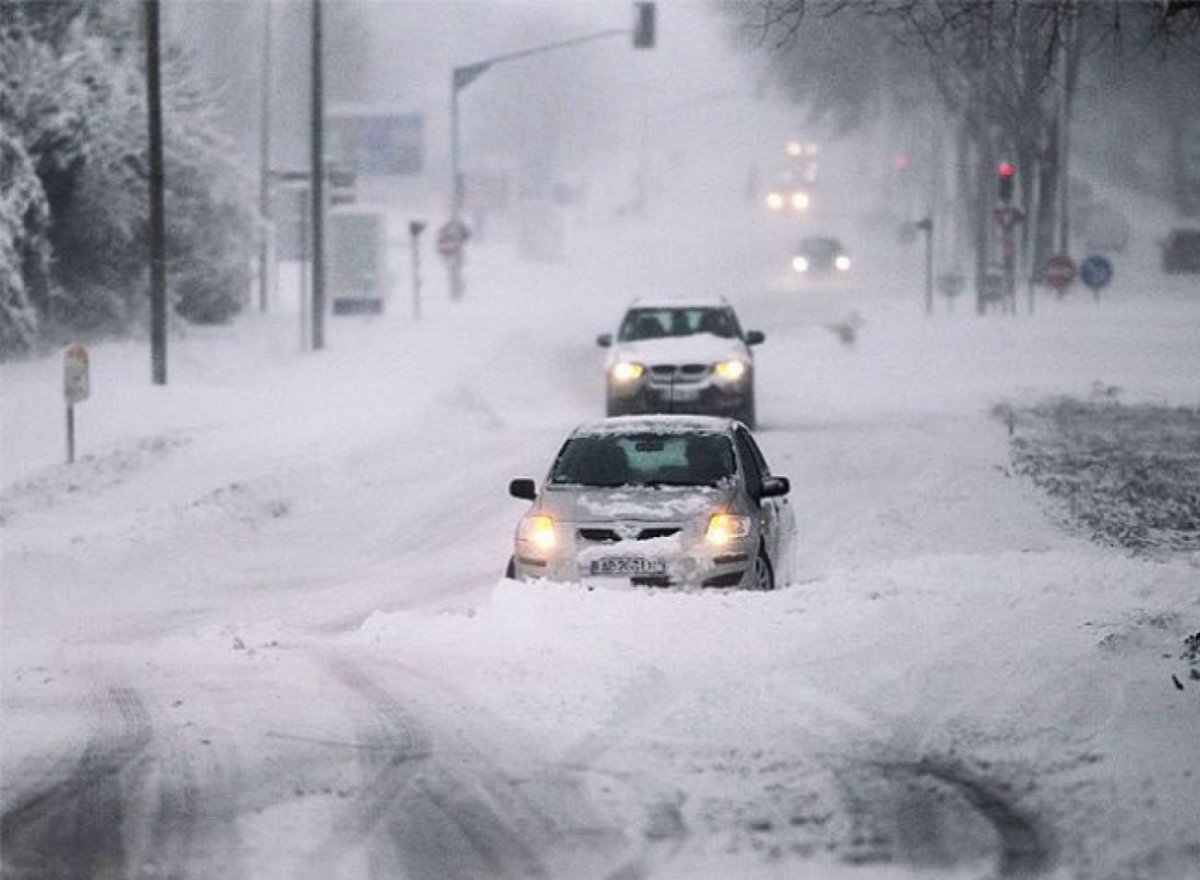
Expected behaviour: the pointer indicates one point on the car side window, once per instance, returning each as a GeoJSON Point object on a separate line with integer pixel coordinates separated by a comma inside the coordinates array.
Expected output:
{"type": "Point", "coordinates": [751, 461]}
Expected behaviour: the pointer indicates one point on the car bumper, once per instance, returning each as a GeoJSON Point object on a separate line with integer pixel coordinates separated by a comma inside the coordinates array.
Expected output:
{"type": "Point", "coordinates": [713, 400]}
{"type": "Point", "coordinates": [667, 562]}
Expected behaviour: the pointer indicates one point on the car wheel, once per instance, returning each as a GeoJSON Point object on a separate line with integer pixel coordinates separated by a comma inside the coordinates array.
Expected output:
{"type": "Point", "coordinates": [510, 570]}
{"type": "Point", "coordinates": [763, 573]}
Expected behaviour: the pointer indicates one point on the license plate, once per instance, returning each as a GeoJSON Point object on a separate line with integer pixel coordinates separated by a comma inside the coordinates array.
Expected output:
{"type": "Point", "coordinates": [629, 565]}
{"type": "Point", "coordinates": [685, 395]}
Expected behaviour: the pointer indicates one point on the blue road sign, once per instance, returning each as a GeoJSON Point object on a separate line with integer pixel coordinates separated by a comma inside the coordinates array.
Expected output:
{"type": "Point", "coordinates": [1096, 271]}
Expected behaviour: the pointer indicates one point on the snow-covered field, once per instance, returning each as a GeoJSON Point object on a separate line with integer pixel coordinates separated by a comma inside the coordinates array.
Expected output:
{"type": "Point", "coordinates": [259, 630]}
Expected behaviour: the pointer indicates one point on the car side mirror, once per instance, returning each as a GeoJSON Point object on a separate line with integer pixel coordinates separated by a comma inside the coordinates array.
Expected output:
{"type": "Point", "coordinates": [604, 340]}
{"type": "Point", "coordinates": [754, 337]}
{"type": "Point", "coordinates": [523, 488]}
{"type": "Point", "coordinates": [775, 487]}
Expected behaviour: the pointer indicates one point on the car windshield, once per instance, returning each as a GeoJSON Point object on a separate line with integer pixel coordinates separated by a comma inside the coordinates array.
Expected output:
{"type": "Point", "coordinates": [648, 323]}
{"type": "Point", "coordinates": [646, 459]}
{"type": "Point", "coordinates": [821, 247]}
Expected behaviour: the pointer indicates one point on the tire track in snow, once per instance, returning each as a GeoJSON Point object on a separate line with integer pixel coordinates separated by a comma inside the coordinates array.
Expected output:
{"type": "Point", "coordinates": [433, 805]}
{"type": "Point", "coordinates": [934, 812]}
{"type": "Point", "coordinates": [128, 805]}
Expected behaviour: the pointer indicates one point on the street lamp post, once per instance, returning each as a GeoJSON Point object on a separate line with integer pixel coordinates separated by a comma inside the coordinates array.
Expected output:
{"type": "Point", "coordinates": [643, 38]}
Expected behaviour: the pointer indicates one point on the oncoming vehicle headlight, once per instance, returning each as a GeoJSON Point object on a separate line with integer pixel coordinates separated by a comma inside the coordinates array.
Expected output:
{"type": "Point", "coordinates": [730, 371]}
{"type": "Point", "coordinates": [800, 201]}
{"type": "Point", "coordinates": [538, 530]}
{"type": "Point", "coordinates": [842, 263]}
{"type": "Point", "coordinates": [800, 264]}
{"type": "Point", "coordinates": [774, 201]}
{"type": "Point", "coordinates": [726, 527]}
{"type": "Point", "coordinates": [627, 371]}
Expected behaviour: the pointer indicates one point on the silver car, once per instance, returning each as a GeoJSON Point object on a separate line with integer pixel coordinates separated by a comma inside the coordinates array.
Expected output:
{"type": "Point", "coordinates": [666, 500]}
{"type": "Point", "coordinates": [680, 356]}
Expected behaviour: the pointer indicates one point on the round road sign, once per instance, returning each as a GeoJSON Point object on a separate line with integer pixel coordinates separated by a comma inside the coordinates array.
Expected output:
{"type": "Point", "coordinates": [1096, 271]}
{"type": "Point", "coordinates": [1059, 271]}
{"type": "Point", "coordinates": [451, 237]}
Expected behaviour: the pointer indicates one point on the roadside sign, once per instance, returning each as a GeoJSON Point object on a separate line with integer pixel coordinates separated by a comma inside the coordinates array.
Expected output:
{"type": "Point", "coordinates": [1096, 271]}
{"type": "Point", "coordinates": [76, 386]}
{"type": "Point", "coordinates": [75, 389]}
{"type": "Point", "coordinates": [1059, 272]}
{"type": "Point", "coordinates": [451, 237]}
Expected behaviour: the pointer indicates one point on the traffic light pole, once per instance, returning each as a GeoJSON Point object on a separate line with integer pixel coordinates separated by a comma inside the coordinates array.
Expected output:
{"type": "Point", "coordinates": [463, 76]}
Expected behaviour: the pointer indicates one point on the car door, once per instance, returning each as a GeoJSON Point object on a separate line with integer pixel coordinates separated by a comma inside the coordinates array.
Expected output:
{"type": "Point", "coordinates": [777, 521]}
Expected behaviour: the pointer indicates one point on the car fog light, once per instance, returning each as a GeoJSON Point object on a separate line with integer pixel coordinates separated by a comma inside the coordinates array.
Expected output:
{"type": "Point", "coordinates": [842, 263]}
{"type": "Point", "coordinates": [730, 371]}
{"type": "Point", "coordinates": [800, 264]}
{"type": "Point", "coordinates": [627, 371]}
{"type": "Point", "coordinates": [538, 530]}
{"type": "Point", "coordinates": [726, 527]}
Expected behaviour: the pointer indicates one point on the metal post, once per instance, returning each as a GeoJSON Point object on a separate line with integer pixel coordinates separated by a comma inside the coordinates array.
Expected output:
{"type": "Point", "coordinates": [264, 155]}
{"type": "Point", "coordinates": [454, 266]}
{"type": "Point", "coordinates": [317, 186]}
{"type": "Point", "coordinates": [70, 433]}
{"type": "Point", "coordinates": [926, 226]}
{"type": "Point", "coordinates": [929, 269]}
{"type": "Point", "coordinates": [414, 229]}
{"type": "Point", "coordinates": [158, 268]}
{"type": "Point", "coordinates": [305, 310]}
{"type": "Point", "coordinates": [1064, 132]}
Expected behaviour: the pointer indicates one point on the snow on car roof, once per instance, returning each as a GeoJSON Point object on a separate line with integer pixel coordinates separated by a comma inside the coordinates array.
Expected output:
{"type": "Point", "coordinates": [653, 424]}
{"type": "Point", "coordinates": [693, 302]}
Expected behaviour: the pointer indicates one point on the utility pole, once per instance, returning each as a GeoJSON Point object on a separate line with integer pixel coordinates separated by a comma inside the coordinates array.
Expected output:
{"type": "Point", "coordinates": [158, 269]}
{"type": "Point", "coordinates": [264, 155]}
{"type": "Point", "coordinates": [317, 187]}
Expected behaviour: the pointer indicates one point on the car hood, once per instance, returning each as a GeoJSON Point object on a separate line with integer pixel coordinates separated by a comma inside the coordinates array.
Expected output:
{"type": "Point", "coordinates": [699, 348]}
{"type": "Point", "coordinates": [634, 503]}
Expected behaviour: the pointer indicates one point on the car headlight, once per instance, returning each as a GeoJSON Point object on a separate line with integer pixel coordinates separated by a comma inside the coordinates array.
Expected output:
{"type": "Point", "coordinates": [730, 371]}
{"type": "Point", "coordinates": [800, 264]}
{"type": "Point", "coordinates": [627, 371]}
{"type": "Point", "coordinates": [842, 263]}
{"type": "Point", "coordinates": [800, 201]}
{"type": "Point", "coordinates": [774, 201]}
{"type": "Point", "coordinates": [724, 528]}
{"type": "Point", "coordinates": [538, 530]}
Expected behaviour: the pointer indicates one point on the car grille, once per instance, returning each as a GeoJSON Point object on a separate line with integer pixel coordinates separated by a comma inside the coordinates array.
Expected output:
{"type": "Point", "coordinates": [611, 536]}
{"type": "Point", "coordinates": [665, 374]}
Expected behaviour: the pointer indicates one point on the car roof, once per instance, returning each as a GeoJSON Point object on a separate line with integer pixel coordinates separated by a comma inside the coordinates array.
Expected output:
{"type": "Point", "coordinates": [707, 302]}
{"type": "Point", "coordinates": [653, 424]}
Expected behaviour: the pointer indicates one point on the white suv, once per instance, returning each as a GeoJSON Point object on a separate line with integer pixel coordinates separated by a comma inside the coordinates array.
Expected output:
{"type": "Point", "coordinates": [681, 357]}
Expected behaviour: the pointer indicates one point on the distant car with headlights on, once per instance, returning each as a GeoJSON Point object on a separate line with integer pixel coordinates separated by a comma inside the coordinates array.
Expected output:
{"type": "Point", "coordinates": [657, 501]}
{"type": "Point", "coordinates": [789, 193]}
{"type": "Point", "coordinates": [681, 357]}
{"type": "Point", "coordinates": [820, 255]}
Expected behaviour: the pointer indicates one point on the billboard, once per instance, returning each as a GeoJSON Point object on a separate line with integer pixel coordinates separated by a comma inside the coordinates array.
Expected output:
{"type": "Point", "coordinates": [376, 142]}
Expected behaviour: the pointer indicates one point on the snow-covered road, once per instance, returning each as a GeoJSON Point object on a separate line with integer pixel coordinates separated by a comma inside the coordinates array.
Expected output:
{"type": "Point", "coordinates": [259, 629]}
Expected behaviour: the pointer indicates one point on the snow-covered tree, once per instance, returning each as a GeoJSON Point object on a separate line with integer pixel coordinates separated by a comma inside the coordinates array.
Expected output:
{"type": "Point", "coordinates": [74, 103]}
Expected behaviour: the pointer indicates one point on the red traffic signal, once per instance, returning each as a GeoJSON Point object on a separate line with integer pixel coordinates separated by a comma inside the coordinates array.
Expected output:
{"type": "Point", "coordinates": [1007, 171]}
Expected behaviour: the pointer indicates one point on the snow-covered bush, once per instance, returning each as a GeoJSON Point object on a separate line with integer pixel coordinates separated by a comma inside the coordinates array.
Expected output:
{"type": "Point", "coordinates": [1129, 475]}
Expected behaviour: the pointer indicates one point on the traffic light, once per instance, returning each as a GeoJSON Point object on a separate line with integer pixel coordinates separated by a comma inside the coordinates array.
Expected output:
{"type": "Point", "coordinates": [643, 25]}
{"type": "Point", "coordinates": [1006, 173]}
